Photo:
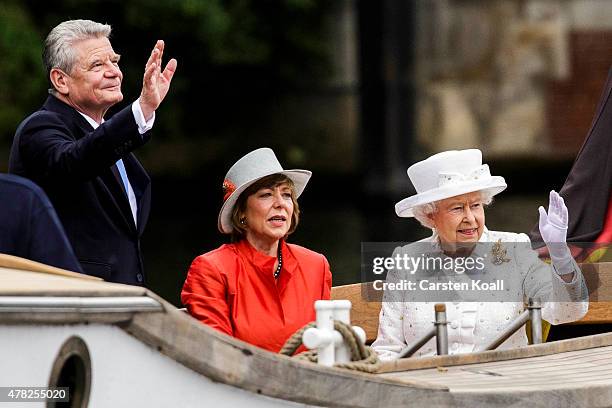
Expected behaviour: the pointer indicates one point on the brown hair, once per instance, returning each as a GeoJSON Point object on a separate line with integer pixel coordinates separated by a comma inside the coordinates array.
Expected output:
{"type": "Point", "coordinates": [238, 229]}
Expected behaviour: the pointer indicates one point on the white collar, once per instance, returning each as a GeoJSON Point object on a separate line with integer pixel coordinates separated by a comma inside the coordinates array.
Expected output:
{"type": "Point", "coordinates": [89, 120]}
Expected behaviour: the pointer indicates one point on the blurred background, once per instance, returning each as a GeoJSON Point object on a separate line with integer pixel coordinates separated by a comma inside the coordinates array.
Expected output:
{"type": "Point", "coordinates": [354, 90]}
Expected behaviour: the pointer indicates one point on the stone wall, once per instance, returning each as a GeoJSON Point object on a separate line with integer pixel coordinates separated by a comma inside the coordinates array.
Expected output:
{"type": "Point", "coordinates": [514, 77]}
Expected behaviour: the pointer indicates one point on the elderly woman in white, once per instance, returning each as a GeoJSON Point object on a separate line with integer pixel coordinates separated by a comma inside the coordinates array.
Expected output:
{"type": "Point", "coordinates": [453, 188]}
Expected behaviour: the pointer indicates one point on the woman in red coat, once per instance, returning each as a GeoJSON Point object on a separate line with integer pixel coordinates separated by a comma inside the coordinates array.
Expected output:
{"type": "Point", "coordinates": [259, 288]}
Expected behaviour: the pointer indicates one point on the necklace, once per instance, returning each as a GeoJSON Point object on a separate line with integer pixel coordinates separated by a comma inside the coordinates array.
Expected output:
{"type": "Point", "coordinates": [279, 256]}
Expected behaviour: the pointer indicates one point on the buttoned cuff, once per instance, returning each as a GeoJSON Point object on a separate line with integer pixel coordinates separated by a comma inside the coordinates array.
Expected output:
{"type": "Point", "coordinates": [143, 125]}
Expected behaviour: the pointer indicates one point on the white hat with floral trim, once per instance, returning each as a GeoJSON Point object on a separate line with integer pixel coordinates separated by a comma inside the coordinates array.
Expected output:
{"type": "Point", "coordinates": [448, 174]}
{"type": "Point", "coordinates": [251, 167]}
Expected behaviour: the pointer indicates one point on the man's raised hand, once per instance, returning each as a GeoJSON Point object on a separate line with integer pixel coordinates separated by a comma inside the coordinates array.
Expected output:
{"type": "Point", "coordinates": [155, 83]}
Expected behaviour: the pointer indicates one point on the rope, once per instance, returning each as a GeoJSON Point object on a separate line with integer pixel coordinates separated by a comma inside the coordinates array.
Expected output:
{"type": "Point", "coordinates": [363, 358]}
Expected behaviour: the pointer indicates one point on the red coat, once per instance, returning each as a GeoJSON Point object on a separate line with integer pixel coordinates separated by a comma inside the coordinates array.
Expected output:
{"type": "Point", "coordinates": [233, 290]}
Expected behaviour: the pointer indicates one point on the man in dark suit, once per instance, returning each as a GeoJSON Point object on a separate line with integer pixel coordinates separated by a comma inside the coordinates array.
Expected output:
{"type": "Point", "coordinates": [29, 225]}
{"type": "Point", "coordinates": [84, 163]}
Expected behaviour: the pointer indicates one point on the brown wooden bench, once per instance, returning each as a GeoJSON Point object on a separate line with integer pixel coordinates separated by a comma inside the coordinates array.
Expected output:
{"type": "Point", "coordinates": [366, 301]}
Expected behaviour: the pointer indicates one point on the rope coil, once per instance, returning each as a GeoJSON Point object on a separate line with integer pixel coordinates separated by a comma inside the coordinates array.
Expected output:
{"type": "Point", "coordinates": [363, 358]}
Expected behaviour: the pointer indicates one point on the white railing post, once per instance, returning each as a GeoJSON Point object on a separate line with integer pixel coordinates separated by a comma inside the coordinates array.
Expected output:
{"type": "Point", "coordinates": [342, 312]}
{"type": "Point", "coordinates": [323, 336]}
{"type": "Point", "coordinates": [329, 343]}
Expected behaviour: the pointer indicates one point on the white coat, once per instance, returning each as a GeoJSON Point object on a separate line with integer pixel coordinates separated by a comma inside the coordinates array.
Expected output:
{"type": "Point", "coordinates": [471, 325]}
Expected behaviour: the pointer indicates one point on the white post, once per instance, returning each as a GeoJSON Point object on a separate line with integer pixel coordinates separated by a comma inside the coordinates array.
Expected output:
{"type": "Point", "coordinates": [329, 343]}
{"type": "Point", "coordinates": [323, 336]}
{"type": "Point", "coordinates": [342, 312]}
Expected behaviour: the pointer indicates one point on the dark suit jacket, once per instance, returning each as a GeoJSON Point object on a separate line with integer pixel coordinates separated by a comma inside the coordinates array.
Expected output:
{"type": "Point", "coordinates": [57, 149]}
{"type": "Point", "coordinates": [29, 225]}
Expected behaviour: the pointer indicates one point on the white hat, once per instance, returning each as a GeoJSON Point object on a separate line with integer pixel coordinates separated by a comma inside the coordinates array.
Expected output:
{"type": "Point", "coordinates": [252, 167]}
{"type": "Point", "coordinates": [446, 175]}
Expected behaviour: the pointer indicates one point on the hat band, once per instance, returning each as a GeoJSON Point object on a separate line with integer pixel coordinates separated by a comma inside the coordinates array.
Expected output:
{"type": "Point", "coordinates": [452, 178]}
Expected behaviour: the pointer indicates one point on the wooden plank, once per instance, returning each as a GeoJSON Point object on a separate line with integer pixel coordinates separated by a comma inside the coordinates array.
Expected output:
{"type": "Point", "coordinates": [538, 373]}
{"type": "Point", "coordinates": [583, 360]}
{"type": "Point", "coordinates": [562, 346]}
{"type": "Point", "coordinates": [458, 380]}
{"type": "Point", "coordinates": [15, 262]}
{"type": "Point", "coordinates": [473, 380]}
{"type": "Point", "coordinates": [598, 277]}
{"type": "Point", "coordinates": [365, 306]}
{"type": "Point", "coordinates": [552, 383]}
{"type": "Point", "coordinates": [599, 313]}
{"type": "Point", "coordinates": [533, 364]}
{"type": "Point", "coordinates": [14, 282]}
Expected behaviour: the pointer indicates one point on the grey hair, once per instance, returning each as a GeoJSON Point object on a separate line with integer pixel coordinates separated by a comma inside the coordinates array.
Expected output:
{"type": "Point", "coordinates": [59, 51]}
{"type": "Point", "coordinates": [423, 211]}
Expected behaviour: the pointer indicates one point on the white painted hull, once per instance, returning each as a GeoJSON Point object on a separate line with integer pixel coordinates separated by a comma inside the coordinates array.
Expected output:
{"type": "Point", "coordinates": [125, 372]}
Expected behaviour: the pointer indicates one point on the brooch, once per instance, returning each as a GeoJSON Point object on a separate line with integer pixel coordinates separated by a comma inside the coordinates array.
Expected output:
{"type": "Point", "coordinates": [499, 253]}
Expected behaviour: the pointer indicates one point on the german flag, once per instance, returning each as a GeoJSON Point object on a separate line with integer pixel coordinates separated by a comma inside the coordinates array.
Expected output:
{"type": "Point", "coordinates": [587, 191]}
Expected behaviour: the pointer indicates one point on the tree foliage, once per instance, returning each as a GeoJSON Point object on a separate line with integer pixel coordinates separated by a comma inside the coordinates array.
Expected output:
{"type": "Point", "coordinates": [21, 71]}
{"type": "Point", "coordinates": [236, 59]}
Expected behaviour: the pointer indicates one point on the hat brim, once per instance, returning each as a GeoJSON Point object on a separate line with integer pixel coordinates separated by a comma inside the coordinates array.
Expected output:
{"type": "Point", "coordinates": [493, 185]}
{"type": "Point", "coordinates": [299, 177]}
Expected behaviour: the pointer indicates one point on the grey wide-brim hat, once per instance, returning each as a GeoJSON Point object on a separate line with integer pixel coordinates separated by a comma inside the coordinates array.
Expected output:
{"type": "Point", "coordinates": [252, 167]}
{"type": "Point", "coordinates": [448, 174]}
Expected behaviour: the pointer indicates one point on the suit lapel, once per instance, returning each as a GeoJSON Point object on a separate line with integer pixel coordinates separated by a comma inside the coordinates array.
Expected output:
{"type": "Point", "coordinates": [77, 123]}
{"type": "Point", "coordinates": [141, 184]}
{"type": "Point", "coordinates": [118, 197]}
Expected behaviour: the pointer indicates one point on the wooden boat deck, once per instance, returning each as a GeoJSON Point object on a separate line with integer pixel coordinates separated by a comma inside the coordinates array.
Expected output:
{"type": "Point", "coordinates": [572, 369]}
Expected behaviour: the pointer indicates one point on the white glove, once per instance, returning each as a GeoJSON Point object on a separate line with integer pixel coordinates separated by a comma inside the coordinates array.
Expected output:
{"type": "Point", "coordinates": [553, 229]}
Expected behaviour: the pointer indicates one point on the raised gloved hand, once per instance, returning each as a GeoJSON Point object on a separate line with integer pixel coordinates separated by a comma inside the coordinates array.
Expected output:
{"type": "Point", "coordinates": [553, 228]}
